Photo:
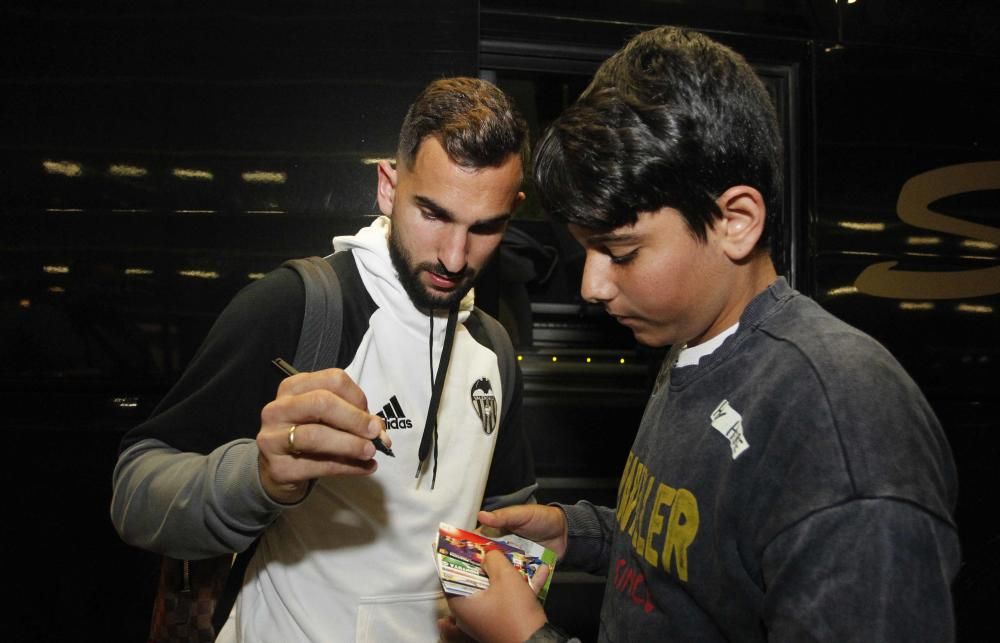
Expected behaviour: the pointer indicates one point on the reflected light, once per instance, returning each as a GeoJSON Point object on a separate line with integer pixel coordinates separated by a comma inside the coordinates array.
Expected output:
{"type": "Point", "coordinates": [64, 209]}
{"type": "Point", "coordinates": [863, 226]}
{"type": "Point", "coordinates": [194, 211]}
{"type": "Point", "coordinates": [974, 308]}
{"type": "Point", "coordinates": [916, 305]}
{"type": "Point", "coordinates": [255, 275]}
{"type": "Point", "coordinates": [843, 290]}
{"type": "Point", "coordinates": [24, 303]}
{"type": "Point", "coordinates": [923, 241]}
{"type": "Point", "coordinates": [199, 274]}
{"type": "Point", "coordinates": [186, 173]}
{"type": "Point", "coordinates": [56, 270]}
{"type": "Point", "coordinates": [66, 168]}
{"type": "Point", "coordinates": [138, 271]}
{"type": "Point", "coordinates": [57, 289]}
{"type": "Point", "coordinates": [373, 161]}
{"type": "Point", "coordinates": [264, 177]}
{"type": "Point", "coordinates": [979, 245]}
{"type": "Point", "coordinates": [120, 169]}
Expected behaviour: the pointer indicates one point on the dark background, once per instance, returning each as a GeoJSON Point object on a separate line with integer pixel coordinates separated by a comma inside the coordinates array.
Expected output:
{"type": "Point", "coordinates": [156, 157]}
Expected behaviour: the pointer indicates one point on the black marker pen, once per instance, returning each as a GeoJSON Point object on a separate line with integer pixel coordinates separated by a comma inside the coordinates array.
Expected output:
{"type": "Point", "coordinates": [288, 369]}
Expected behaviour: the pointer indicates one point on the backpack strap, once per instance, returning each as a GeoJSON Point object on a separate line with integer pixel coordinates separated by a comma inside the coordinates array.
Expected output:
{"type": "Point", "coordinates": [319, 339]}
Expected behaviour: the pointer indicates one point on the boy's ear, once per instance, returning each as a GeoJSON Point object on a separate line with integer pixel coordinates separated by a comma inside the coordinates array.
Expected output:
{"type": "Point", "coordinates": [387, 177]}
{"type": "Point", "coordinates": [742, 223]}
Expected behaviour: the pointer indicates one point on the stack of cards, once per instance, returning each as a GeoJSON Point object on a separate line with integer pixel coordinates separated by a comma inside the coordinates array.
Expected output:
{"type": "Point", "coordinates": [460, 556]}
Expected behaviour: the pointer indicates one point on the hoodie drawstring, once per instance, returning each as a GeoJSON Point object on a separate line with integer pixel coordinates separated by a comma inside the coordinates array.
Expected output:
{"type": "Point", "coordinates": [430, 435]}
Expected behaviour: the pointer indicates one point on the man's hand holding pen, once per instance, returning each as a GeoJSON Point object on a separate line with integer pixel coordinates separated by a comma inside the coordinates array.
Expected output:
{"type": "Point", "coordinates": [317, 426]}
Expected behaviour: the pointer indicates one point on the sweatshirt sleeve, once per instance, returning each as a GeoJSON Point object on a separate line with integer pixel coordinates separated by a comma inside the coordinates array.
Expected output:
{"type": "Point", "coordinates": [589, 530]}
{"type": "Point", "coordinates": [188, 505]}
{"type": "Point", "coordinates": [868, 569]}
{"type": "Point", "coordinates": [186, 483]}
{"type": "Point", "coordinates": [220, 394]}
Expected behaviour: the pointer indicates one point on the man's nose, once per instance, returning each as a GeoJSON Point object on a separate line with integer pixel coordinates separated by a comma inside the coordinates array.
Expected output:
{"type": "Point", "coordinates": [454, 249]}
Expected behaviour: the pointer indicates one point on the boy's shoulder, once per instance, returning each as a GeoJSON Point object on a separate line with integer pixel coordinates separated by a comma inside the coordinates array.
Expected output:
{"type": "Point", "coordinates": [802, 325]}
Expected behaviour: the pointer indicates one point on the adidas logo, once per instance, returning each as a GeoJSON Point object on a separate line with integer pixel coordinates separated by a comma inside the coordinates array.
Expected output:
{"type": "Point", "coordinates": [392, 414]}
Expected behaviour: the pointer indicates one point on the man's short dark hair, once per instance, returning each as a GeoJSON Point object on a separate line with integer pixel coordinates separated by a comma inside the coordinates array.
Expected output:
{"type": "Point", "coordinates": [671, 120]}
{"type": "Point", "coordinates": [476, 123]}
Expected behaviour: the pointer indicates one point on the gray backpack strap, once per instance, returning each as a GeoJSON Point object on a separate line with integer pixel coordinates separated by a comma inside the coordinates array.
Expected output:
{"type": "Point", "coordinates": [319, 340]}
{"type": "Point", "coordinates": [506, 359]}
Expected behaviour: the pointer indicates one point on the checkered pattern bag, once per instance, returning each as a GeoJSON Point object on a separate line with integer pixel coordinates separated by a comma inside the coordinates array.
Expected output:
{"type": "Point", "coordinates": [186, 598]}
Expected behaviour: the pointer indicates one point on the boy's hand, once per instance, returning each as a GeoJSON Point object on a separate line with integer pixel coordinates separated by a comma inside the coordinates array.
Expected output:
{"type": "Point", "coordinates": [541, 523]}
{"type": "Point", "coordinates": [506, 611]}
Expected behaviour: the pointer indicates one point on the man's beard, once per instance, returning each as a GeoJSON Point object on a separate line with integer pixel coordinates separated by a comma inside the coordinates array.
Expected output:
{"type": "Point", "coordinates": [409, 276]}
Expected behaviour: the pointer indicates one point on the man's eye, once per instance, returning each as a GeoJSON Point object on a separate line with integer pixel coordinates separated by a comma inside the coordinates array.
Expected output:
{"type": "Point", "coordinates": [489, 227]}
{"type": "Point", "coordinates": [621, 260]}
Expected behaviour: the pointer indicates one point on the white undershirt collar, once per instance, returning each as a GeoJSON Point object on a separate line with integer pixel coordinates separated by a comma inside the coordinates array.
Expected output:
{"type": "Point", "coordinates": [691, 356]}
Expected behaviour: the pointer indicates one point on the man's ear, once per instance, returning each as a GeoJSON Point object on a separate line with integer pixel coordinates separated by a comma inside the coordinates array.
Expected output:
{"type": "Point", "coordinates": [518, 200]}
{"type": "Point", "coordinates": [387, 178]}
{"type": "Point", "coordinates": [742, 222]}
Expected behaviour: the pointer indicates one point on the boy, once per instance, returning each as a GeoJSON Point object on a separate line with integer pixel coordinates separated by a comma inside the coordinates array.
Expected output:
{"type": "Point", "coordinates": [788, 480]}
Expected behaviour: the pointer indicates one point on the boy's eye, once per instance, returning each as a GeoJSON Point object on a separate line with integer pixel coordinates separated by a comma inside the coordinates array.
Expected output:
{"type": "Point", "coordinates": [621, 260]}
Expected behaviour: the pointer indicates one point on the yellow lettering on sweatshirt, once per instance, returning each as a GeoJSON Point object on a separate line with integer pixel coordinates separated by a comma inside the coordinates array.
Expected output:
{"type": "Point", "coordinates": [664, 498]}
{"type": "Point", "coordinates": [638, 542]}
{"type": "Point", "coordinates": [681, 531]}
{"type": "Point", "coordinates": [659, 536]}
{"type": "Point", "coordinates": [638, 480]}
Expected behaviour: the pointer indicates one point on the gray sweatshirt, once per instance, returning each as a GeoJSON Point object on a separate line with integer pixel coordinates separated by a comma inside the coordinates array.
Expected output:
{"type": "Point", "coordinates": [794, 485]}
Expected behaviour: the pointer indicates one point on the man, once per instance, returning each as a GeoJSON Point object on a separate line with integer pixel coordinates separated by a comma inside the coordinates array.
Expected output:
{"type": "Point", "coordinates": [788, 480]}
{"type": "Point", "coordinates": [343, 540]}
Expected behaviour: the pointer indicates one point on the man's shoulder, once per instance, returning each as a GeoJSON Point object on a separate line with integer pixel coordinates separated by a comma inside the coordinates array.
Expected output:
{"type": "Point", "coordinates": [488, 330]}
{"type": "Point", "coordinates": [277, 292]}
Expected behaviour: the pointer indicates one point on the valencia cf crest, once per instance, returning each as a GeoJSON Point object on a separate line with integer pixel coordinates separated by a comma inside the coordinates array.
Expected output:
{"type": "Point", "coordinates": [485, 404]}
